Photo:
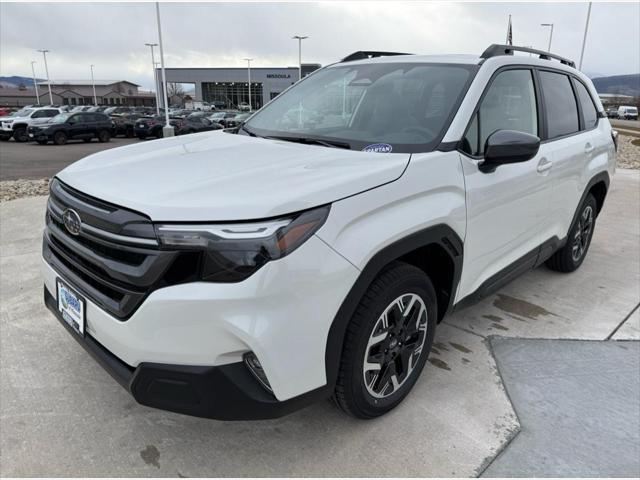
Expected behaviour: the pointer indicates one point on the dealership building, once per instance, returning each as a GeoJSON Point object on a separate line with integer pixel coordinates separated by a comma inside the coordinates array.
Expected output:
{"type": "Point", "coordinates": [229, 87]}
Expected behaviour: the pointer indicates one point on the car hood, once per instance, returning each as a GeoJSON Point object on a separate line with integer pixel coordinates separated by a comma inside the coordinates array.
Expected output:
{"type": "Point", "coordinates": [217, 176]}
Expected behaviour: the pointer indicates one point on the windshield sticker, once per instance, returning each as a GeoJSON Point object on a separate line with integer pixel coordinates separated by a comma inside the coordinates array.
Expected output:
{"type": "Point", "coordinates": [378, 147]}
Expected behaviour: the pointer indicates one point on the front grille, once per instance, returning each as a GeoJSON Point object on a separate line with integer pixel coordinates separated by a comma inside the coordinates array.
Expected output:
{"type": "Point", "coordinates": [115, 261]}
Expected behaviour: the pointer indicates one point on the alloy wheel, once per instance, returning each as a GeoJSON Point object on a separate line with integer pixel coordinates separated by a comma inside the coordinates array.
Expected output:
{"type": "Point", "coordinates": [583, 234]}
{"type": "Point", "coordinates": [395, 345]}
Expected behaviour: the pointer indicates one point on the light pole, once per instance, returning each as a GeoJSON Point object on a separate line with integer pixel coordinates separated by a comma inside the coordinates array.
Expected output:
{"type": "Point", "coordinates": [35, 82]}
{"type": "Point", "coordinates": [550, 33]}
{"type": "Point", "coordinates": [46, 69]}
{"type": "Point", "coordinates": [167, 130]}
{"type": "Point", "coordinates": [584, 39]}
{"type": "Point", "coordinates": [155, 77]}
{"type": "Point", "coordinates": [299, 38]}
{"type": "Point", "coordinates": [93, 84]}
{"type": "Point", "coordinates": [249, 73]}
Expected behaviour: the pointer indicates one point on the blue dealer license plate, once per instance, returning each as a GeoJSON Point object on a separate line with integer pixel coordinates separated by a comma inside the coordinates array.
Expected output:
{"type": "Point", "coordinates": [71, 307]}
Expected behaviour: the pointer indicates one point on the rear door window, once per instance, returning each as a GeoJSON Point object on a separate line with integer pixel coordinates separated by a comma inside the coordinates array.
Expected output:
{"type": "Point", "coordinates": [560, 104]}
{"type": "Point", "coordinates": [589, 112]}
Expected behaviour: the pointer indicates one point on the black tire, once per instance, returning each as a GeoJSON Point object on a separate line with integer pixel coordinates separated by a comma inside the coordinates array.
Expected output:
{"type": "Point", "coordinates": [5, 138]}
{"type": "Point", "coordinates": [20, 135]}
{"type": "Point", "coordinates": [159, 132]}
{"type": "Point", "coordinates": [570, 257]}
{"type": "Point", "coordinates": [128, 133]}
{"type": "Point", "coordinates": [355, 395]}
{"type": "Point", "coordinates": [42, 142]}
{"type": "Point", "coordinates": [60, 138]}
{"type": "Point", "coordinates": [104, 136]}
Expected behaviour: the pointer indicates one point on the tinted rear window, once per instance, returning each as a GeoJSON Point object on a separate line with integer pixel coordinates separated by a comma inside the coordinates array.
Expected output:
{"type": "Point", "coordinates": [560, 104]}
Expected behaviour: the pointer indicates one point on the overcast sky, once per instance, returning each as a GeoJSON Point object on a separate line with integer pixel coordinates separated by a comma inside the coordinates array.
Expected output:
{"type": "Point", "coordinates": [112, 36]}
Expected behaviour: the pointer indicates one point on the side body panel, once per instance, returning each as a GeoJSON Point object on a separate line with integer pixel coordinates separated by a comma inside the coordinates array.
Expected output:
{"type": "Point", "coordinates": [430, 192]}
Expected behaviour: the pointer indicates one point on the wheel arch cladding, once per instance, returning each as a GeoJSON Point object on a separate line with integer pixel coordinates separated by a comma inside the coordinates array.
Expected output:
{"type": "Point", "coordinates": [436, 250]}
{"type": "Point", "coordinates": [599, 191]}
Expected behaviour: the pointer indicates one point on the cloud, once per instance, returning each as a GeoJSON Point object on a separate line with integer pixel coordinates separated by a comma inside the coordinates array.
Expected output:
{"type": "Point", "coordinates": [112, 35]}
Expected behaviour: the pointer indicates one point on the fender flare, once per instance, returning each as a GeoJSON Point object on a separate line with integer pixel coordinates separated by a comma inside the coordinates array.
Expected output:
{"type": "Point", "coordinates": [441, 234]}
{"type": "Point", "coordinates": [597, 178]}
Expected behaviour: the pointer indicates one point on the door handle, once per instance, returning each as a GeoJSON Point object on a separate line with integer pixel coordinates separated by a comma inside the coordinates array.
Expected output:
{"type": "Point", "coordinates": [588, 148]}
{"type": "Point", "coordinates": [544, 165]}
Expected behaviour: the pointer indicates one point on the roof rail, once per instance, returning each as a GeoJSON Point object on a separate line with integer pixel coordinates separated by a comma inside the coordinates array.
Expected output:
{"type": "Point", "coordinates": [363, 55]}
{"type": "Point", "coordinates": [497, 50]}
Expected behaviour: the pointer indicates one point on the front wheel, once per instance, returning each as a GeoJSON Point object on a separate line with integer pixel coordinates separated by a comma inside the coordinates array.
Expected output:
{"type": "Point", "coordinates": [570, 257]}
{"type": "Point", "coordinates": [387, 342]}
{"type": "Point", "coordinates": [20, 135]}
{"type": "Point", "coordinates": [60, 138]}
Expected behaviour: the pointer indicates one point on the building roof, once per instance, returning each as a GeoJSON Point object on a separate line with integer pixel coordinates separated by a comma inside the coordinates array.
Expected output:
{"type": "Point", "coordinates": [85, 82]}
{"type": "Point", "coordinates": [18, 92]}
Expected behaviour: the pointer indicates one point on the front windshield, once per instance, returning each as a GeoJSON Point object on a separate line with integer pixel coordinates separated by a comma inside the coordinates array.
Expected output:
{"type": "Point", "coordinates": [60, 118]}
{"type": "Point", "coordinates": [399, 107]}
{"type": "Point", "coordinates": [24, 113]}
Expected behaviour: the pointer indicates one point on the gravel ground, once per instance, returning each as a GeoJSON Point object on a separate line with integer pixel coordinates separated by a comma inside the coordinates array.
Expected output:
{"type": "Point", "coordinates": [628, 153]}
{"type": "Point", "coordinates": [12, 189]}
{"type": "Point", "coordinates": [628, 157]}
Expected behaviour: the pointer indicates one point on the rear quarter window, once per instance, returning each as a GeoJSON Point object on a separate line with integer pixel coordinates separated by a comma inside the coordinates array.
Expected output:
{"type": "Point", "coordinates": [589, 112]}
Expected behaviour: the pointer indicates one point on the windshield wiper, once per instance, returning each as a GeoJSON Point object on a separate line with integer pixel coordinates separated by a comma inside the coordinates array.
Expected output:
{"type": "Point", "coordinates": [312, 141]}
{"type": "Point", "coordinates": [249, 132]}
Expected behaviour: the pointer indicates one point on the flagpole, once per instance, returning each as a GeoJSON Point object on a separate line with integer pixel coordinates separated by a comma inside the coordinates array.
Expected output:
{"type": "Point", "coordinates": [508, 30]}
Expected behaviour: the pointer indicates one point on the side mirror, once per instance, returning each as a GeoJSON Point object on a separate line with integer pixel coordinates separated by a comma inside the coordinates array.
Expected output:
{"type": "Point", "coordinates": [508, 146]}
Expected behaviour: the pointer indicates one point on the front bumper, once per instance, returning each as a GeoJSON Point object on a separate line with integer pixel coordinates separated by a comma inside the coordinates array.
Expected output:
{"type": "Point", "coordinates": [225, 392]}
{"type": "Point", "coordinates": [282, 313]}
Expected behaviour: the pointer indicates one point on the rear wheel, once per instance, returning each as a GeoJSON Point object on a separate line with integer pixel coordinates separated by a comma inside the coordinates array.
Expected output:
{"type": "Point", "coordinates": [20, 134]}
{"type": "Point", "coordinates": [571, 256]}
{"type": "Point", "coordinates": [60, 138]}
{"type": "Point", "coordinates": [387, 342]}
{"type": "Point", "coordinates": [159, 133]}
{"type": "Point", "coordinates": [104, 136]}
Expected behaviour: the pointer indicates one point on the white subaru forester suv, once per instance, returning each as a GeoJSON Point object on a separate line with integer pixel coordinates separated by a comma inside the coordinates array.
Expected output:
{"type": "Point", "coordinates": [311, 252]}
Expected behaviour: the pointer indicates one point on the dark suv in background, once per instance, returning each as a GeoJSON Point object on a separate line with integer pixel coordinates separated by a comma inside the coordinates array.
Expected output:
{"type": "Point", "coordinates": [72, 126]}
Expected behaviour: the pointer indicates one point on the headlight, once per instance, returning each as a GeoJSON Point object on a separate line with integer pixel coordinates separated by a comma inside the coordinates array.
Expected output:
{"type": "Point", "coordinates": [232, 252]}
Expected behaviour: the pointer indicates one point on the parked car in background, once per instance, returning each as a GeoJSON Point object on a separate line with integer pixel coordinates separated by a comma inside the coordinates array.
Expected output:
{"type": "Point", "coordinates": [222, 117]}
{"type": "Point", "coordinates": [146, 127]}
{"type": "Point", "coordinates": [115, 110]}
{"type": "Point", "coordinates": [627, 112]}
{"type": "Point", "coordinates": [4, 112]}
{"type": "Point", "coordinates": [16, 126]}
{"type": "Point", "coordinates": [196, 122]}
{"type": "Point", "coordinates": [124, 124]}
{"type": "Point", "coordinates": [237, 120]}
{"type": "Point", "coordinates": [244, 107]}
{"type": "Point", "coordinates": [72, 126]}
{"type": "Point", "coordinates": [612, 112]}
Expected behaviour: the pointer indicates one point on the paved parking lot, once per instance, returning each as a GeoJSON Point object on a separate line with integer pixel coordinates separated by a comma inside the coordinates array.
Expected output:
{"type": "Point", "coordinates": [62, 415]}
{"type": "Point", "coordinates": [33, 161]}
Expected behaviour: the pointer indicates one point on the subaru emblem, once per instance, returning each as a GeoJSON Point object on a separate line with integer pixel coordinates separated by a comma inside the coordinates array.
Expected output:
{"type": "Point", "coordinates": [72, 221]}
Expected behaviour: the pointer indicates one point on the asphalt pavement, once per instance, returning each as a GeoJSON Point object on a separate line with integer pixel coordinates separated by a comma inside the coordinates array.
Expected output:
{"type": "Point", "coordinates": [32, 161]}
{"type": "Point", "coordinates": [62, 415]}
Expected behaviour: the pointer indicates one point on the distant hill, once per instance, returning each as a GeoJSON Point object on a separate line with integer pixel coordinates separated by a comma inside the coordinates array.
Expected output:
{"type": "Point", "coordinates": [15, 81]}
{"type": "Point", "coordinates": [620, 84]}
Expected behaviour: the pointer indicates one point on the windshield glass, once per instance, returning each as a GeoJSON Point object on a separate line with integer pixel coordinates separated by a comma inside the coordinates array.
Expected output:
{"type": "Point", "coordinates": [24, 113]}
{"type": "Point", "coordinates": [399, 107]}
{"type": "Point", "coordinates": [60, 118]}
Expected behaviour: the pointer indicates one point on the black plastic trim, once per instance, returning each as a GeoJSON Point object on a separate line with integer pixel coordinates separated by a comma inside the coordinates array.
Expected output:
{"type": "Point", "coordinates": [441, 234]}
{"type": "Point", "coordinates": [364, 55]}
{"type": "Point", "coordinates": [496, 50]}
{"type": "Point", "coordinates": [225, 392]}
{"type": "Point", "coordinates": [527, 262]}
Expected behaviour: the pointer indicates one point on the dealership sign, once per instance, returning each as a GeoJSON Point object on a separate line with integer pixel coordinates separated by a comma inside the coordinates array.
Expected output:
{"type": "Point", "coordinates": [278, 75]}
